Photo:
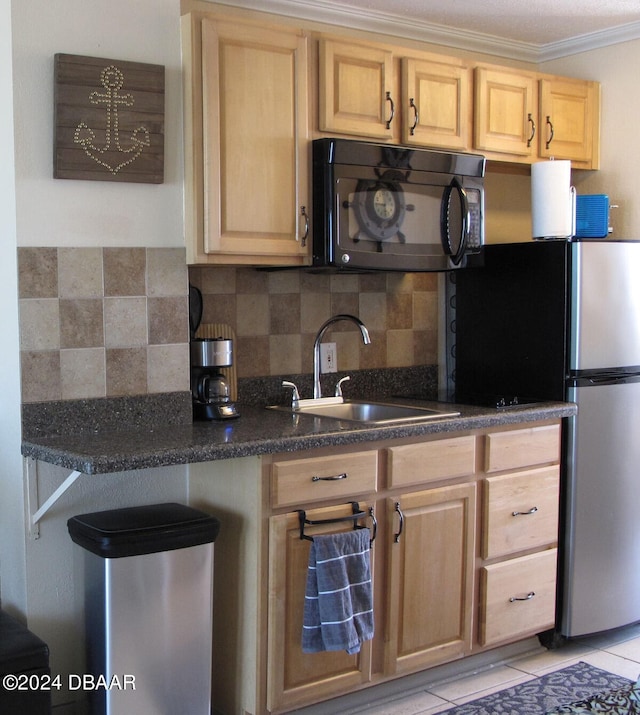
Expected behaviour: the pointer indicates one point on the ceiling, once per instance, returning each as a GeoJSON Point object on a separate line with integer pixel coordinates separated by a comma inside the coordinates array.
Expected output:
{"type": "Point", "coordinates": [534, 30]}
{"type": "Point", "coordinates": [532, 21]}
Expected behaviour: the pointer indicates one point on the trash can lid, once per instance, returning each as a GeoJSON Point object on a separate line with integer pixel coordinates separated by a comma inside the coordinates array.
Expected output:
{"type": "Point", "coordinates": [142, 529]}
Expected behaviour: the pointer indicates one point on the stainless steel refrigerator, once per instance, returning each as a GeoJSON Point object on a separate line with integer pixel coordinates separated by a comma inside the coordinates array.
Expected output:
{"type": "Point", "coordinates": [561, 320]}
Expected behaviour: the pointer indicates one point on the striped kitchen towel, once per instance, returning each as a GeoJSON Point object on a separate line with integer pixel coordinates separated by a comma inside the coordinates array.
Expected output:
{"type": "Point", "coordinates": [338, 604]}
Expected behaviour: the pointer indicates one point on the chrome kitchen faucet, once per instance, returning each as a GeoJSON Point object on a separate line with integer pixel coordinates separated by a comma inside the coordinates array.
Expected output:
{"type": "Point", "coordinates": [317, 390]}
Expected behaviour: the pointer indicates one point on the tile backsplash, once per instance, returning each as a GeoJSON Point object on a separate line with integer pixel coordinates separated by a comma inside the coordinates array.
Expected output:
{"type": "Point", "coordinates": [102, 322]}
{"type": "Point", "coordinates": [276, 315]}
{"type": "Point", "coordinates": [114, 322]}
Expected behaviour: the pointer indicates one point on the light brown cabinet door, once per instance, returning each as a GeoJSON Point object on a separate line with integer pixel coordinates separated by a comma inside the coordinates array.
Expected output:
{"type": "Point", "coordinates": [430, 577]}
{"type": "Point", "coordinates": [296, 678]}
{"type": "Point", "coordinates": [436, 104]}
{"type": "Point", "coordinates": [357, 93]}
{"type": "Point", "coordinates": [506, 110]}
{"type": "Point", "coordinates": [249, 124]}
{"type": "Point", "coordinates": [570, 112]}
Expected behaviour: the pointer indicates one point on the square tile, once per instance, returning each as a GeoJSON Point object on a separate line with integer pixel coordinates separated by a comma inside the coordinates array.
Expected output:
{"type": "Point", "coordinates": [284, 313]}
{"type": "Point", "coordinates": [373, 310]}
{"type": "Point", "coordinates": [40, 376]}
{"type": "Point", "coordinates": [125, 271]}
{"type": "Point", "coordinates": [82, 373]}
{"type": "Point", "coordinates": [215, 280]}
{"type": "Point", "coordinates": [168, 320]}
{"type": "Point", "coordinates": [315, 308]}
{"type": "Point", "coordinates": [252, 314]}
{"type": "Point", "coordinates": [478, 684]}
{"type": "Point", "coordinates": [629, 649]}
{"type": "Point", "coordinates": [400, 348]}
{"type": "Point", "coordinates": [126, 371]}
{"type": "Point", "coordinates": [167, 368]}
{"type": "Point", "coordinates": [38, 272]}
{"type": "Point", "coordinates": [125, 322]}
{"type": "Point", "coordinates": [39, 323]}
{"type": "Point", "coordinates": [80, 273]}
{"type": "Point", "coordinates": [284, 354]}
{"type": "Point", "coordinates": [81, 323]}
{"type": "Point", "coordinates": [167, 273]}
{"type": "Point", "coordinates": [252, 356]}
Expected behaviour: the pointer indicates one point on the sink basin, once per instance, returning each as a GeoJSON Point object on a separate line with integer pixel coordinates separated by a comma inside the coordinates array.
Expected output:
{"type": "Point", "coordinates": [377, 413]}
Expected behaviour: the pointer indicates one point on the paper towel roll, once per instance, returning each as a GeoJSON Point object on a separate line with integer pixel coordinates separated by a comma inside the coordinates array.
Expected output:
{"type": "Point", "coordinates": [552, 203]}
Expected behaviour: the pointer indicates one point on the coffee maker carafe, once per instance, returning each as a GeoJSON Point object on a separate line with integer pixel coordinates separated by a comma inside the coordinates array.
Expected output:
{"type": "Point", "coordinates": [209, 387]}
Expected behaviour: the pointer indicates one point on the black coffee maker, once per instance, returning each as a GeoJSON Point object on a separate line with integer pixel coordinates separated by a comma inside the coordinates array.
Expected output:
{"type": "Point", "coordinates": [210, 389]}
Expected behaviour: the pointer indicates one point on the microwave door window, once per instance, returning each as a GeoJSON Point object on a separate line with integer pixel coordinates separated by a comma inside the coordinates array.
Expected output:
{"type": "Point", "coordinates": [388, 216]}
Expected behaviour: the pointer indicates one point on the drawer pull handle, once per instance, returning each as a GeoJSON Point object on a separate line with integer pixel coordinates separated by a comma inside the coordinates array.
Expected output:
{"type": "Point", "coordinates": [528, 597]}
{"type": "Point", "coordinates": [334, 478]}
{"type": "Point", "coordinates": [533, 510]}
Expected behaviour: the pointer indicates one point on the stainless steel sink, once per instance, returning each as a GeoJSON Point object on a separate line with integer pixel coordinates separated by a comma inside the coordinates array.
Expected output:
{"type": "Point", "coordinates": [366, 412]}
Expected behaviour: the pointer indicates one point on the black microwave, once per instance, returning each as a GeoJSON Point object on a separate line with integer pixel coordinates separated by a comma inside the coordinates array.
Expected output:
{"type": "Point", "coordinates": [395, 208]}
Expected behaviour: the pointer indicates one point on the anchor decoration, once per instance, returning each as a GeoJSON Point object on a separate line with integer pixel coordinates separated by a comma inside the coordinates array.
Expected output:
{"type": "Point", "coordinates": [112, 80]}
{"type": "Point", "coordinates": [109, 120]}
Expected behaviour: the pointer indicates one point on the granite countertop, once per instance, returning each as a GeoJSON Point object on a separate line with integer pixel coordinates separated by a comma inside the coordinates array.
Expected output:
{"type": "Point", "coordinates": [106, 448]}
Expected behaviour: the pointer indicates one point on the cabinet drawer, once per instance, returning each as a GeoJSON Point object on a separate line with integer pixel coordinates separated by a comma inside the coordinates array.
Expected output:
{"type": "Point", "coordinates": [300, 481]}
{"type": "Point", "coordinates": [430, 461]}
{"type": "Point", "coordinates": [519, 597]}
{"type": "Point", "coordinates": [522, 448]}
{"type": "Point", "coordinates": [520, 511]}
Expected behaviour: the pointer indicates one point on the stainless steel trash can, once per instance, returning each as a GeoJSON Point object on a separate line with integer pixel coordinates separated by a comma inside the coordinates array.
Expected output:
{"type": "Point", "coordinates": [148, 608]}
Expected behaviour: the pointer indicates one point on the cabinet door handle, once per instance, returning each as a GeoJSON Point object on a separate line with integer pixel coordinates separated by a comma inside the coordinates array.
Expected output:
{"type": "Point", "coordinates": [396, 537]}
{"type": "Point", "coordinates": [533, 510]}
{"type": "Point", "coordinates": [374, 524]}
{"type": "Point", "coordinates": [533, 130]}
{"type": "Point", "coordinates": [550, 135]}
{"type": "Point", "coordinates": [528, 597]}
{"type": "Point", "coordinates": [305, 235]}
{"type": "Point", "coordinates": [393, 110]}
{"type": "Point", "coordinates": [333, 478]}
{"type": "Point", "coordinates": [416, 116]}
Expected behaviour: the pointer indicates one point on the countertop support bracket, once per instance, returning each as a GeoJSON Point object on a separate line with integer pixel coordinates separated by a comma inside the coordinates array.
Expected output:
{"type": "Point", "coordinates": [32, 496]}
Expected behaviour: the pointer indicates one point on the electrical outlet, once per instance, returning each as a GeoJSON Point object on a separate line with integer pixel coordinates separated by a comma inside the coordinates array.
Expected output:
{"type": "Point", "coordinates": [328, 357]}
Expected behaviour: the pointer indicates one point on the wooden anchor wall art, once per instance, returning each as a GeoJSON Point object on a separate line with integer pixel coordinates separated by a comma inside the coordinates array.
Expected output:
{"type": "Point", "coordinates": [109, 120]}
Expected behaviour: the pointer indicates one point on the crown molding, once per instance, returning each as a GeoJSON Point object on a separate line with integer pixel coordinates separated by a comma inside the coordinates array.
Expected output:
{"type": "Point", "coordinates": [335, 13]}
{"type": "Point", "coordinates": [590, 41]}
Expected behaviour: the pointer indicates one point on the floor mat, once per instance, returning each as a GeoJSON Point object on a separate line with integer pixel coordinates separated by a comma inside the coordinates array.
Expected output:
{"type": "Point", "coordinates": [542, 695]}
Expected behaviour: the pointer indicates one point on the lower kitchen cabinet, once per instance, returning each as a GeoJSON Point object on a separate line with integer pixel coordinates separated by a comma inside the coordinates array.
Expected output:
{"type": "Point", "coordinates": [430, 586]}
{"type": "Point", "coordinates": [296, 678]}
{"type": "Point", "coordinates": [463, 560]}
{"type": "Point", "coordinates": [518, 597]}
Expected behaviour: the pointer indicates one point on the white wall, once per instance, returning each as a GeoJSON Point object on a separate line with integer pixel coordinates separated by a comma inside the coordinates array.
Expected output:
{"type": "Point", "coordinates": [12, 549]}
{"type": "Point", "coordinates": [93, 213]}
{"type": "Point", "coordinates": [616, 67]}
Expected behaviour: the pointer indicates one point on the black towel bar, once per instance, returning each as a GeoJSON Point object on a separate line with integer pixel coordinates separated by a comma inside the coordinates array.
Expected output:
{"type": "Point", "coordinates": [356, 514]}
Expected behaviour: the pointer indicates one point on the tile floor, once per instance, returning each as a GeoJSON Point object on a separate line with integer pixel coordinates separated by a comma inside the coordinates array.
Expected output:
{"type": "Point", "coordinates": [616, 651]}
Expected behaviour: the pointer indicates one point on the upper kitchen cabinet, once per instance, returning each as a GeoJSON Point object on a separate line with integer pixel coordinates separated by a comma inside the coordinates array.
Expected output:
{"type": "Point", "coordinates": [246, 143]}
{"type": "Point", "coordinates": [571, 113]}
{"type": "Point", "coordinates": [436, 102]}
{"type": "Point", "coordinates": [359, 95]}
{"type": "Point", "coordinates": [357, 92]}
{"type": "Point", "coordinates": [524, 116]}
{"type": "Point", "coordinates": [506, 110]}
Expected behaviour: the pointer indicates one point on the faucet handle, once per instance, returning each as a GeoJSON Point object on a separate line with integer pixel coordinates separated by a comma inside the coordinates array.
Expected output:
{"type": "Point", "coordinates": [338, 392]}
{"type": "Point", "coordinates": [295, 397]}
